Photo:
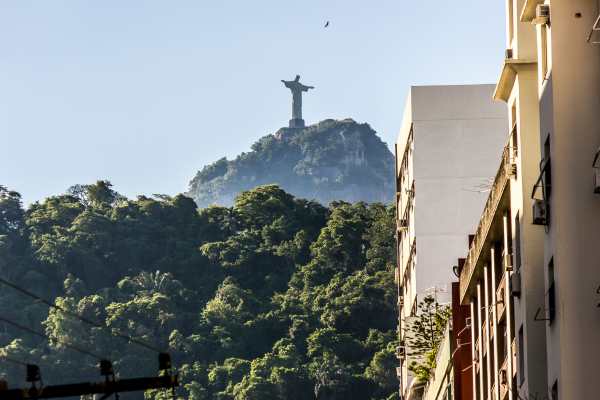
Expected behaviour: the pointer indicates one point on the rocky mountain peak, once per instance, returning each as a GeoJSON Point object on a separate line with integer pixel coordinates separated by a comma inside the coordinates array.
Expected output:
{"type": "Point", "coordinates": [327, 161]}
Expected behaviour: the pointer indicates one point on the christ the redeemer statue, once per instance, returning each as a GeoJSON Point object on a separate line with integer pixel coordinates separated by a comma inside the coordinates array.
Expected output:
{"type": "Point", "coordinates": [297, 88]}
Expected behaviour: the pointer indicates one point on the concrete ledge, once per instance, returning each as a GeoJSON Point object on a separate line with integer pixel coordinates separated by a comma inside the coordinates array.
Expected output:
{"type": "Point", "coordinates": [528, 11]}
{"type": "Point", "coordinates": [510, 69]}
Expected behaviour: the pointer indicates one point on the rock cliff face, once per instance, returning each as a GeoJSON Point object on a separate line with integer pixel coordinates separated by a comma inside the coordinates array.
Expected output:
{"type": "Point", "coordinates": [331, 160]}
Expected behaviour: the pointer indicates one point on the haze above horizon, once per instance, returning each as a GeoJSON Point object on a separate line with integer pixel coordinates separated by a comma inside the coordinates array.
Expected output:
{"type": "Point", "coordinates": [146, 94]}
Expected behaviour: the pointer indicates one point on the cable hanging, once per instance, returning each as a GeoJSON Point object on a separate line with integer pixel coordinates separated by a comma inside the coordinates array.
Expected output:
{"type": "Point", "coordinates": [106, 368]}
{"type": "Point", "coordinates": [80, 317]}
{"type": "Point", "coordinates": [43, 335]}
{"type": "Point", "coordinates": [12, 360]}
{"type": "Point", "coordinates": [110, 386]}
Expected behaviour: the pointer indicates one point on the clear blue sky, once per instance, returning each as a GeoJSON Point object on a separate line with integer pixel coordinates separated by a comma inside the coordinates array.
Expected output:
{"type": "Point", "coordinates": [144, 93]}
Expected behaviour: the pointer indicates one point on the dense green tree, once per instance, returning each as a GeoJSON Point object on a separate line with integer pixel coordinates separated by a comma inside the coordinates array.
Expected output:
{"type": "Point", "coordinates": [273, 298]}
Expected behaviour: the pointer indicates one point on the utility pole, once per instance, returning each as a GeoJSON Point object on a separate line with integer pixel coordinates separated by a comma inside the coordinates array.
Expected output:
{"type": "Point", "coordinates": [110, 386]}
{"type": "Point", "coordinates": [106, 388]}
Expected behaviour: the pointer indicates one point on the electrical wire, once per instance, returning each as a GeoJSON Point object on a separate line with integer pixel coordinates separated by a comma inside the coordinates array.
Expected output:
{"type": "Point", "coordinates": [79, 317]}
{"type": "Point", "coordinates": [12, 360]}
{"type": "Point", "coordinates": [43, 335]}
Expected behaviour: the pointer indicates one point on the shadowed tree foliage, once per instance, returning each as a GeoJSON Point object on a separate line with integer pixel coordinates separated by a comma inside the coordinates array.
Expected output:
{"type": "Point", "coordinates": [272, 298]}
{"type": "Point", "coordinates": [425, 332]}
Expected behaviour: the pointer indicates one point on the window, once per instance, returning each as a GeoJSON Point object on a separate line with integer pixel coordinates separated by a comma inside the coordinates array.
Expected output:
{"type": "Point", "coordinates": [542, 189]}
{"type": "Point", "coordinates": [551, 292]}
{"type": "Point", "coordinates": [544, 64]}
{"type": "Point", "coordinates": [511, 23]}
{"type": "Point", "coordinates": [546, 169]}
{"type": "Point", "coordinates": [521, 356]}
{"type": "Point", "coordinates": [513, 114]}
{"type": "Point", "coordinates": [517, 242]}
{"type": "Point", "coordinates": [514, 135]}
{"type": "Point", "coordinates": [554, 391]}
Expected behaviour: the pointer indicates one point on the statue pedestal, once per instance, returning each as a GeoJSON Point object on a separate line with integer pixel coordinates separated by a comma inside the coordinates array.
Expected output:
{"type": "Point", "coordinates": [297, 123]}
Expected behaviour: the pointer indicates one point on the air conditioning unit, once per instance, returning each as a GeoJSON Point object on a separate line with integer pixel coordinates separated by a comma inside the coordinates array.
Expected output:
{"type": "Point", "coordinates": [515, 284]}
{"type": "Point", "coordinates": [542, 14]}
{"type": "Point", "coordinates": [540, 212]}
{"type": "Point", "coordinates": [508, 266]}
{"type": "Point", "coordinates": [508, 54]}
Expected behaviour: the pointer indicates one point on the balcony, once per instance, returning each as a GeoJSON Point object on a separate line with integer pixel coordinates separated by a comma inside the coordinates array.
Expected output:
{"type": "Point", "coordinates": [485, 338]}
{"type": "Point", "coordinates": [500, 298]}
{"type": "Point", "coordinates": [485, 224]}
{"type": "Point", "coordinates": [503, 380]}
{"type": "Point", "coordinates": [476, 359]}
{"type": "Point", "coordinates": [513, 348]}
{"type": "Point", "coordinates": [404, 266]}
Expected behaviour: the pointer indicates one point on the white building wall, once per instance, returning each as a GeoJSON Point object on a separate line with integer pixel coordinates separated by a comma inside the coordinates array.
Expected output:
{"type": "Point", "coordinates": [458, 135]}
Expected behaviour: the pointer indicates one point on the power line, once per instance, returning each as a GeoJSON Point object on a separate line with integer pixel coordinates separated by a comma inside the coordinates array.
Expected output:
{"type": "Point", "coordinates": [12, 360]}
{"type": "Point", "coordinates": [43, 335]}
{"type": "Point", "coordinates": [79, 317]}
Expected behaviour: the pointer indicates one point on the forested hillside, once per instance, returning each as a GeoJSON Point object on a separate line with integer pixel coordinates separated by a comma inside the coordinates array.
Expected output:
{"type": "Point", "coordinates": [273, 298]}
{"type": "Point", "coordinates": [328, 161]}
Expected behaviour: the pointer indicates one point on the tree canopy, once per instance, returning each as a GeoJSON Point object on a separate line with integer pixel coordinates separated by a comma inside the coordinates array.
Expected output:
{"type": "Point", "coordinates": [273, 298]}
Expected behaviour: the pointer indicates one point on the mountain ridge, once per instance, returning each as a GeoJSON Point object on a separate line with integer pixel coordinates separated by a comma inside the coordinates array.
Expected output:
{"type": "Point", "coordinates": [328, 161]}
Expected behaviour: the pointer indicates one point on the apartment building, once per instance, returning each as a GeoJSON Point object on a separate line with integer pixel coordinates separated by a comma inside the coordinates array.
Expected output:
{"type": "Point", "coordinates": [502, 277]}
{"type": "Point", "coordinates": [566, 192]}
{"type": "Point", "coordinates": [447, 151]}
{"type": "Point", "coordinates": [531, 276]}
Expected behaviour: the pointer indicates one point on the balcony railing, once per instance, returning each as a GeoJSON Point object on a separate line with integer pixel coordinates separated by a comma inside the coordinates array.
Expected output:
{"type": "Point", "coordinates": [412, 253]}
{"type": "Point", "coordinates": [491, 206]}
{"type": "Point", "coordinates": [500, 298]}
{"type": "Point", "coordinates": [503, 380]}
{"type": "Point", "coordinates": [513, 348]}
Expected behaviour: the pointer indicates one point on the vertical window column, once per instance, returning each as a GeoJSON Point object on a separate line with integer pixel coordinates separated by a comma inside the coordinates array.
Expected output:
{"type": "Point", "coordinates": [473, 349]}
{"type": "Point", "coordinates": [487, 337]}
{"type": "Point", "coordinates": [481, 344]}
{"type": "Point", "coordinates": [509, 311]}
{"type": "Point", "coordinates": [551, 293]}
{"type": "Point", "coordinates": [496, 394]}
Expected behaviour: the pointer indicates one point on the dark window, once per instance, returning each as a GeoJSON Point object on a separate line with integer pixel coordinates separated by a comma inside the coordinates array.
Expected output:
{"type": "Point", "coordinates": [517, 242]}
{"type": "Point", "coordinates": [515, 141]}
{"type": "Point", "coordinates": [555, 391]}
{"type": "Point", "coordinates": [551, 292]}
{"type": "Point", "coordinates": [547, 170]}
{"type": "Point", "coordinates": [521, 356]}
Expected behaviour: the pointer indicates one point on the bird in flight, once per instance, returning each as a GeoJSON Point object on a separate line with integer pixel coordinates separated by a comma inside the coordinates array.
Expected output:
{"type": "Point", "coordinates": [326, 24]}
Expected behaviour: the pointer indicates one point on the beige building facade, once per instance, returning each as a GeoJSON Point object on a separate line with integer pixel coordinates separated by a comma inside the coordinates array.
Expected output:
{"type": "Point", "coordinates": [532, 274]}
{"type": "Point", "coordinates": [502, 277]}
{"type": "Point", "coordinates": [568, 82]}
